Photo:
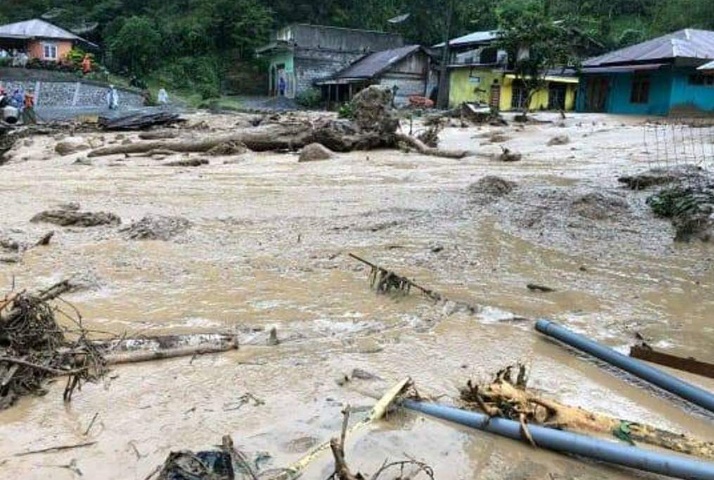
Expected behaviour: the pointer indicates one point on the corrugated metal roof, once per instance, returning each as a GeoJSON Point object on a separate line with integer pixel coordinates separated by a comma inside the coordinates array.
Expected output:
{"type": "Point", "coordinates": [36, 29]}
{"type": "Point", "coordinates": [687, 43]}
{"type": "Point", "coordinates": [475, 37]}
{"type": "Point", "coordinates": [707, 66]}
{"type": "Point", "coordinates": [375, 63]}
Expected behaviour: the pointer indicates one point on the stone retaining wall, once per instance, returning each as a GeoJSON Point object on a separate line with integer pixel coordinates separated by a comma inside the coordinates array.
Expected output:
{"type": "Point", "coordinates": [69, 94]}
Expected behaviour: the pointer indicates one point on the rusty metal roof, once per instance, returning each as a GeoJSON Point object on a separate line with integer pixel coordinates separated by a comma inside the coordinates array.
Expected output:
{"type": "Point", "coordinates": [376, 63]}
{"type": "Point", "coordinates": [36, 29]}
{"type": "Point", "coordinates": [687, 43]}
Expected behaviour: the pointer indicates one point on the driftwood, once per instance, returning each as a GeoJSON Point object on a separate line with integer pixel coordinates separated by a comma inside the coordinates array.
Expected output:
{"type": "Point", "coordinates": [422, 148]}
{"type": "Point", "coordinates": [645, 352]}
{"type": "Point", "coordinates": [147, 356]}
{"type": "Point", "coordinates": [149, 348]}
{"type": "Point", "coordinates": [377, 413]}
{"type": "Point", "coordinates": [264, 138]}
{"type": "Point", "coordinates": [374, 125]}
{"type": "Point", "coordinates": [158, 134]}
{"type": "Point", "coordinates": [34, 347]}
{"type": "Point", "coordinates": [507, 396]}
{"type": "Point", "coordinates": [138, 120]}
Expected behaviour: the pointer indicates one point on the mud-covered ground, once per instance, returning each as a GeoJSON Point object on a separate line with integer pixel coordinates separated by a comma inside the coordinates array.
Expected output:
{"type": "Point", "coordinates": [260, 241]}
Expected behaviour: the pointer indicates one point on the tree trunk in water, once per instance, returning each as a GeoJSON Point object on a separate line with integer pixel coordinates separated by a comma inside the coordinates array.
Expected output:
{"type": "Point", "coordinates": [549, 413]}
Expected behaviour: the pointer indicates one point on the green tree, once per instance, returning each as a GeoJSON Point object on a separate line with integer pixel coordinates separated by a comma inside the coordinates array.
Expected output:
{"type": "Point", "coordinates": [136, 46]}
{"type": "Point", "coordinates": [535, 43]}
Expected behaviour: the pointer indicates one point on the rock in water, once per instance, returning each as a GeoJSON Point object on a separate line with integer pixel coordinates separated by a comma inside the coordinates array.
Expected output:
{"type": "Point", "coordinates": [559, 140]}
{"type": "Point", "coordinates": [157, 227]}
{"type": "Point", "coordinates": [663, 176]}
{"type": "Point", "coordinates": [75, 218]}
{"type": "Point", "coordinates": [71, 145]}
{"type": "Point", "coordinates": [314, 152]}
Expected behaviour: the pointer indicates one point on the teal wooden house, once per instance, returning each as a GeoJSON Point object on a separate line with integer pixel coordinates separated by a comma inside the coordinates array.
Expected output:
{"type": "Point", "coordinates": [667, 75]}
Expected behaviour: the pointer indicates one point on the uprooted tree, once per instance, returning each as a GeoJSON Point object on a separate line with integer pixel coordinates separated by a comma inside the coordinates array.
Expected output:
{"type": "Point", "coordinates": [375, 125]}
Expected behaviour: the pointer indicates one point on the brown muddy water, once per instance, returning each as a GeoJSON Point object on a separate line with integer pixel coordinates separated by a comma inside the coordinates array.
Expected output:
{"type": "Point", "coordinates": [268, 248]}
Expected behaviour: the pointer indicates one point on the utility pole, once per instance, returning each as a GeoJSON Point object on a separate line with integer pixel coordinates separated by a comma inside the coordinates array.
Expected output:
{"type": "Point", "coordinates": [442, 100]}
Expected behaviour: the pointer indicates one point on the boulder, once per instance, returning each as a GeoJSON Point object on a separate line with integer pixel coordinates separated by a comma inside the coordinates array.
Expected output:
{"type": "Point", "coordinates": [71, 145]}
{"type": "Point", "coordinates": [314, 152]}
{"type": "Point", "coordinates": [559, 140]}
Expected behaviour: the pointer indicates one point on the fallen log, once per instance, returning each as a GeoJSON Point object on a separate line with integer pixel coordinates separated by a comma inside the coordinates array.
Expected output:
{"type": "Point", "coordinates": [264, 138]}
{"type": "Point", "coordinates": [508, 397]}
{"type": "Point", "coordinates": [139, 120]}
{"type": "Point", "coordinates": [645, 352]}
{"type": "Point", "coordinates": [145, 349]}
{"type": "Point", "coordinates": [158, 134]}
{"type": "Point", "coordinates": [422, 148]}
{"type": "Point", "coordinates": [148, 356]}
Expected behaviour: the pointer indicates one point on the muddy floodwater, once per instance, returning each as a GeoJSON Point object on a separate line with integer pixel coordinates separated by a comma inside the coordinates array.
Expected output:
{"type": "Point", "coordinates": [268, 247]}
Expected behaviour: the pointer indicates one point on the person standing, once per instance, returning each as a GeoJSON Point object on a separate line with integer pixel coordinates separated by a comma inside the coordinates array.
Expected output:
{"type": "Point", "coordinates": [86, 64]}
{"type": "Point", "coordinates": [112, 98]}
{"type": "Point", "coordinates": [28, 113]}
{"type": "Point", "coordinates": [281, 85]}
{"type": "Point", "coordinates": [163, 96]}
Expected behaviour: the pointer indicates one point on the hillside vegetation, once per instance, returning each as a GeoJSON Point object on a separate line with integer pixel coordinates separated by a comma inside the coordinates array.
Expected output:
{"type": "Point", "coordinates": [195, 43]}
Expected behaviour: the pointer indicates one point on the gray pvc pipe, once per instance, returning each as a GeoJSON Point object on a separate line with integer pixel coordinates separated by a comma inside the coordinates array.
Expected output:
{"type": "Point", "coordinates": [616, 453]}
{"type": "Point", "coordinates": [653, 375]}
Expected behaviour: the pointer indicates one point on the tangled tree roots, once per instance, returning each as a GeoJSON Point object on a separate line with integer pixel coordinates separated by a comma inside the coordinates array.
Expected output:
{"type": "Point", "coordinates": [34, 347]}
{"type": "Point", "coordinates": [507, 396]}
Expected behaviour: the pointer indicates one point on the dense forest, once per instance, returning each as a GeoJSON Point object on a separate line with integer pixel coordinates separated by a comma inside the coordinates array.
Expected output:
{"type": "Point", "coordinates": [193, 42]}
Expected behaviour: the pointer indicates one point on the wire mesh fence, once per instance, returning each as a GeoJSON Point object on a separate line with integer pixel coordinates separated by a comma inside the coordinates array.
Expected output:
{"type": "Point", "coordinates": [680, 142]}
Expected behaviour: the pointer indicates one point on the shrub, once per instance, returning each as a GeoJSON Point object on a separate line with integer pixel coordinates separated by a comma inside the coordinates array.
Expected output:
{"type": "Point", "coordinates": [346, 110]}
{"type": "Point", "coordinates": [309, 98]}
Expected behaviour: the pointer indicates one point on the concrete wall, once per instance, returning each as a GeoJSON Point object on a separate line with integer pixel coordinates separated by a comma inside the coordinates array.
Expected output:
{"type": "Point", "coordinates": [311, 65]}
{"type": "Point", "coordinates": [687, 96]}
{"type": "Point", "coordinates": [472, 85]}
{"type": "Point", "coordinates": [69, 95]}
{"type": "Point", "coordinates": [406, 87]}
{"type": "Point", "coordinates": [620, 91]}
{"type": "Point", "coordinates": [340, 39]}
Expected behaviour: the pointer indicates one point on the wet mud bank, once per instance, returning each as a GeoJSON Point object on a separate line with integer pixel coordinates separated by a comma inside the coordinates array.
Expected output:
{"type": "Point", "coordinates": [252, 241]}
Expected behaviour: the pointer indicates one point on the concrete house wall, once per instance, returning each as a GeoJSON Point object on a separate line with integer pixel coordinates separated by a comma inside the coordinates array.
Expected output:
{"type": "Point", "coordinates": [35, 48]}
{"type": "Point", "coordinates": [409, 76]}
{"type": "Point", "coordinates": [670, 89]}
{"type": "Point", "coordinates": [313, 52]}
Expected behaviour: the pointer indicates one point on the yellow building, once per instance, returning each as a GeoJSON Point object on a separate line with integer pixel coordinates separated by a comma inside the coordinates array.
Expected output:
{"type": "Point", "coordinates": [493, 87]}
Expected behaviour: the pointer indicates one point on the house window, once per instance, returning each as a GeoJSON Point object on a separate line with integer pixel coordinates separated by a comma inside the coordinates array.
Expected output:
{"type": "Point", "coordinates": [640, 89]}
{"type": "Point", "coordinates": [49, 51]}
{"type": "Point", "coordinates": [701, 80]}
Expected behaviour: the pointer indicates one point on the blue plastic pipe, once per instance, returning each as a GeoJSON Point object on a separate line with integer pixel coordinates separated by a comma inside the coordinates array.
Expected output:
{"type": "Point", "coordinates": [616, 453]}
{"type": "Point", "coordinates": [653, 375]}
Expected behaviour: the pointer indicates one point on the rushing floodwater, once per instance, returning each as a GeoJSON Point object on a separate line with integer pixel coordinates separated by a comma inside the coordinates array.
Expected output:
{"type": "Point", "coordinates": [268, 247]}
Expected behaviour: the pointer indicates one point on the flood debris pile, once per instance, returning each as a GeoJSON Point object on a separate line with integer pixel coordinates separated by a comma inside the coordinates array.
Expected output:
{"type": "Point", "coordinates": [34, 347]}
{"type": "Point", "coordinates": [375, 125]}
{"type": "Point", "coordinates": [70, 215]}
{"type": "Point", "coordinates": [685, 197]}
{"type": "Point", "coordinates": [489, 188]}
{"type": "Point", "coordinates": [225, 463]}
{"type": "Point", "coordinates": [156, 227]}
